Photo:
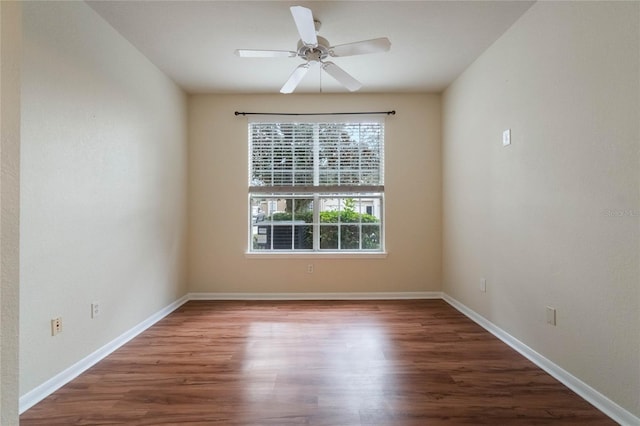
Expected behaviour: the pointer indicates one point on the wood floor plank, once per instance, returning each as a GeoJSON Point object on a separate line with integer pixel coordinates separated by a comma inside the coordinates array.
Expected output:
{"type": "Point", "coordinates": [408, 362]}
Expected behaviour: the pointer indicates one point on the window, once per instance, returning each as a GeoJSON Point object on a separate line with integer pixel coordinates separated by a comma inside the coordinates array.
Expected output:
{"type": "Point", "coordinates": [316, 186]}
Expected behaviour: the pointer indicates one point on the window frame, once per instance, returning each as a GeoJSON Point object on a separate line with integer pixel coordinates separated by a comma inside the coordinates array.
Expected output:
{"type": "Point", "coordinates": [318, 192]}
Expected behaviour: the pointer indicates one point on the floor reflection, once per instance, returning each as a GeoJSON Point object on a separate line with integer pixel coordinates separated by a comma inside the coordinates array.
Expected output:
{"type": "Point", "coordinates": [334, 364]}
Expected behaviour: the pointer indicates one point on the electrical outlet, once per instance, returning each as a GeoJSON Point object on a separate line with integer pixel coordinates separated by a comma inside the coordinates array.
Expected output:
{"type": "Point", "coordinates": [551, 315]}
{"type": "Point", "coordinates": [95, 309]}
{"type": "Point", "coordinates": [483, 285]}
{"type": "Point", "coordinates": [56, 326]}
{"type": "Point", "coordinates": [310, 268]}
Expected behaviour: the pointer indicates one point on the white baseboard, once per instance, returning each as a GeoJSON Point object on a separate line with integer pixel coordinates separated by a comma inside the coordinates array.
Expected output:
{"type": "Point", "coordinates": [598, 400]}
{"type": "Point", "coordinates": [317, 296]}
{"type": "Point", "coordinates": [36, 395]}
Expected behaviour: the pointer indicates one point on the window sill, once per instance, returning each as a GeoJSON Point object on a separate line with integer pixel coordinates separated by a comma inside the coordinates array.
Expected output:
{"type": "Point", "coordinates": [316, 255]}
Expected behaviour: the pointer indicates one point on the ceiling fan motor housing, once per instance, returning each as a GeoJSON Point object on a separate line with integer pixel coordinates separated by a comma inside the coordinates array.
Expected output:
{"type": "Point", "coordinates": [314, 53]}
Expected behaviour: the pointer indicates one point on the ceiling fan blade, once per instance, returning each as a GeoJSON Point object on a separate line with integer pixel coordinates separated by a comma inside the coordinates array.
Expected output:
{"type": "Point", "coordinates": [252, 53]}
{"type": "Point", "coordinates": [342, 76]}
{"type": "Point", "coordinates": [361, 47]}
{"type": "Point", "coordinates": [295, 78]}
{"type": "Point", "coordinates": [306, 27]}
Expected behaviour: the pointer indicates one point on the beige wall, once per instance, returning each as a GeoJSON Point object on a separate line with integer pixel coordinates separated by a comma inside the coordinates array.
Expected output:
{"type": "Point", "coordinates": [553, 219]}
{"type": "Point", "coordinates": [10, 35]}
{"type": "Point", "coordinates": [103, 190]}
{"type": "Point", "coordinates": [218, 211]}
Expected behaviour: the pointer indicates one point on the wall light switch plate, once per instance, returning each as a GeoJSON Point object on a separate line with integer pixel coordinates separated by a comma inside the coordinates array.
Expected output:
{"type": "Point", "coordinates": [506, 137]}
{"type": "Point", "coordinates": [551, 315]}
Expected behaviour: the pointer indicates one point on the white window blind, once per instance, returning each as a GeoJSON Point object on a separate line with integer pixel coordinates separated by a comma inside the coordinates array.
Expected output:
{"type": "Point", "coordinates": [325, 156]}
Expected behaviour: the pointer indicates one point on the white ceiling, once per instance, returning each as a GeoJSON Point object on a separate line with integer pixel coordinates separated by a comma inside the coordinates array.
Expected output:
{"type": "Point", "coordinates": [193, 42]}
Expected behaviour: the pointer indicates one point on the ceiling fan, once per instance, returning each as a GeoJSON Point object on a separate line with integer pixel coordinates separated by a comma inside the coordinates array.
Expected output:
{"type": "Point", "coordinates": [315, 50]}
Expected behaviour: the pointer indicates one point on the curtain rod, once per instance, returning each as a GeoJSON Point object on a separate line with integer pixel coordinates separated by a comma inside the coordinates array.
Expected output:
{"type": "Point", "coordinates": [393, 112]}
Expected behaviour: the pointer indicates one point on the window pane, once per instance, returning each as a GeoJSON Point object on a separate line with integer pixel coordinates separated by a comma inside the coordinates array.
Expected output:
{"type": "Point", "coordinates": [349, 213]}
{"type": "Point", "coordinates": [370, 237]}
{"type": "Point", "coordinates": [282, 238]}
{"type": "Point", "coordinates": [281, 154]}
{"type": "Point", "coordinates": [302, 160]}
{"type": "Point", "coordinates": [350, 154]}
{"type": "Point", "coordinates": [287, 223]}
{"type": "Point", "coordinates": [328, 237]}
{"type": "Point", "coordinates": [262, 237]}
{"type": "Point", "coordinates": [303, 239]}
{"type": "Point", "coordinates": [280, 223]}
{"type": "Point", "coordinates": [302, 209]}
{"type": "Point", "coordinates": [259, 208]}
{"type": "Point", "coordinates": [329, 210]}
{"type": "Point", "coordinates": [349, 237]}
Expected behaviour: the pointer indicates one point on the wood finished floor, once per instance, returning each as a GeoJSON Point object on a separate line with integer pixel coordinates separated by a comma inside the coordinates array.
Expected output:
{"type": "Point", "coordinates": [417, 362]}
